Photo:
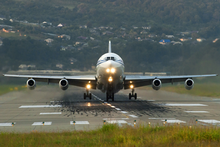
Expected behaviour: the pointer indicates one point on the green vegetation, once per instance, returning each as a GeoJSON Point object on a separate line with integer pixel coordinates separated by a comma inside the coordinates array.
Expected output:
{"type": "Point", "coordinates": [208, 90]}
{"type": "Point", "coordinates": [198, 19]}
{"type": "Point", "coordinates": [8, 88]}
{"type": "Point", "coordinates": [112, 135]}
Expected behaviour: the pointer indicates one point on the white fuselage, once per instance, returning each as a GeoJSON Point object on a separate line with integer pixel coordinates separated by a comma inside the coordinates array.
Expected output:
{"type": "Point", "coordinates": [110, 73]}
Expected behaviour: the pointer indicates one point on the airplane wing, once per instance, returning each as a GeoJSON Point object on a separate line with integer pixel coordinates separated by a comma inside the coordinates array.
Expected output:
{"type": "Point", "coordinates": [80, 81]}
{"type": "Point", "coordinates": [139, 81]}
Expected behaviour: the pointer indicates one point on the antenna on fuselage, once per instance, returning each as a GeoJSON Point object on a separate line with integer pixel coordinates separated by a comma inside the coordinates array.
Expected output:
{"type": "Point", "coordinates": [109, 47]}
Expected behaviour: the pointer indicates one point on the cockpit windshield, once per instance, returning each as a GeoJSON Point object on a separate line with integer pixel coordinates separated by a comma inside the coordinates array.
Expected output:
{"type": "Point", "coordinates": [110, 58]}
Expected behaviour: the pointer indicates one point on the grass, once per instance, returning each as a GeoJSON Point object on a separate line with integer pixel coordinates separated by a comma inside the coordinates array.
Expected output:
{"type": "Point", "coordinates": [112, 135]}
{"type": "Point", "coordinates": [200, 89]}
{"type": "Point", "coordinates": [8, 88]}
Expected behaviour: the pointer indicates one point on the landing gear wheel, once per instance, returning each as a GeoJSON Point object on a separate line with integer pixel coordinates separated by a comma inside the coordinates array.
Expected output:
{"type": "Point", "coordinates": [132, 94]}
{"type": "Point", "coordinates": [84, 96]}
{"type": "Point", "coordinates": [90, 96]}
{"type": "Point", "coordinates": [135, 96]}
{"type": "Point", "coordinates": [107, 96]}
{"type": "Point", "coordinates": [113, 99]}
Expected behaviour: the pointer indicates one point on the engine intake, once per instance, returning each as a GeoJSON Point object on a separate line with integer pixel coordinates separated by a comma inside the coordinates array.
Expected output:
{"type": "Point", "coordinates": [156, 84]}
{"type": "Point", "coordinates": [189, 84]}
{"type": "Point", "coordinates": [63, 84]}
{"type": "Point", "coordinates": [31, 84]}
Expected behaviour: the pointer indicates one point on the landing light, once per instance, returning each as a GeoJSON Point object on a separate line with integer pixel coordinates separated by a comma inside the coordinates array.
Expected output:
{"type": "Point", "coordinates": [110, 79]}
{"type": "Point", "coordinates": [89, 104]}
{"type": "Point", "coordinates": [131, 86]}
{"type": "Point", "coordinates": [112, 70]}
{"type": "Point", "coordinates": [88, 86]}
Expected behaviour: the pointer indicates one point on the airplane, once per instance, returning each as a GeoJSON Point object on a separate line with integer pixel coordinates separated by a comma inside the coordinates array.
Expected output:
{"type": "Point", "coordinates": [110, 78]}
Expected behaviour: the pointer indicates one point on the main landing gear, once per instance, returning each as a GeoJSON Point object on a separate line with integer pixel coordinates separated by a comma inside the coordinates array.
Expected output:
{"type": "Point", "coordinates": [87, 94]}
{"type": "Point", "coordinates": [110, 96]}
{"type": "Point", "coordinates": [132, 94]}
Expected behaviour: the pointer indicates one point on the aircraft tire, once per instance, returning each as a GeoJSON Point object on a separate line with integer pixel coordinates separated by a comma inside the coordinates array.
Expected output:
{"type": "Point", "coordinates": [135, 95]}
{"type": "Point", "coordinates": [90, 96]}
{"type": "Point", "coordinates": [84, 96]}
{"type": "Point", "coordinates": [113, 97]}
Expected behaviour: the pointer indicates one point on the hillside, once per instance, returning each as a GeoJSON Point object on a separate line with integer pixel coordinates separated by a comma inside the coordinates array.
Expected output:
{"type": "Point", "coordinates": [134, 26]}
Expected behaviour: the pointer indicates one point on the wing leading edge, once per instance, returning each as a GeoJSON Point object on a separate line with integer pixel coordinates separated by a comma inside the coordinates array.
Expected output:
{"type": "Point", "coordinates": [80, 81]}
{"type": "Point", "coordinates": [139, 81]}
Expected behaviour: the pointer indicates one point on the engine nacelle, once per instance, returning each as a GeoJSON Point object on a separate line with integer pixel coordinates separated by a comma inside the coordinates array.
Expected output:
{"type": "Point", "coordinates": [63, 84]}
{"type": "Point", "coordinates": [156, 84]}
{"type": "Point", "coordinates": [189, 83]}
{"type": "Point", "coordinates": [31, 84]}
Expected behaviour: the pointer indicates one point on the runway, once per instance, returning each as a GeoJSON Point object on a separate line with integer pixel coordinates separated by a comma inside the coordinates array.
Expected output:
{"type": "Point", "coordinates": [48, 108]}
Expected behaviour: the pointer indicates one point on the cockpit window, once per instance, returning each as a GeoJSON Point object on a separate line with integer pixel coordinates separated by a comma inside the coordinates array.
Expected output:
{"type": "Point", "coordinates": [110, 58]}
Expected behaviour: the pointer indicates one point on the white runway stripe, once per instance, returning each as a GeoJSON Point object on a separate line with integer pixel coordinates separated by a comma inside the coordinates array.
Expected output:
{"type": "Point", "coordinates": [80, 122]}
{"type": "Point", "coordinates": [40, 106]}
{"type": "Point", "coordinates": [41, 123]}
{"type": "Point", "coordinates": [48, 113]}
{"type": "Point", "coordinates": [190, 105]}
{"type": "Point", "coordinates": [124, 112]}
{"type": "Point", "coordinates": [174, 121]}
{"type": "Point", "coordinates": [150, 100]}
{"type": "Point", "coordinates": [108, 119]}
{"type": "Point", "coordinates": [133, 116]}
{"type": "Point", "coordinates": [161, 118]}
{"type": "Point", "coordinates": [118, 109]}
{"type": "Point", "coordinates": [116, 121]}
{"type": "Point", "coordinates": [5, 124]}
{"type": "Point", "coordinates": [196, 111]}
{"type": "Point", "coordinates": [210, 121]}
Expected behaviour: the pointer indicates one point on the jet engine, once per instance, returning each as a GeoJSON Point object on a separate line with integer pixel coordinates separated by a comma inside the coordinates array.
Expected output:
{"type": "Point", "coordinates": [63, 84]}
{"type": "Point", "coordinates": [189, 83]}
{"type": "Point", "coordinates": [156, 84]}
{"type": "Point", "coordinates": [31, 84]}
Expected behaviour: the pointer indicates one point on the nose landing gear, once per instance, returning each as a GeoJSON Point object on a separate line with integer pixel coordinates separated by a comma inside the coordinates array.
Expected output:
{"type": "Point", "coordinates": [110, 96]}
{"type": "Point", "coordinates": [132, 94]}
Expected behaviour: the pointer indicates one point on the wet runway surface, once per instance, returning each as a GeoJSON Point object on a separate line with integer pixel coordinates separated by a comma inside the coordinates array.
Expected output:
{"type": "Point", "coordinates": [48, 108]}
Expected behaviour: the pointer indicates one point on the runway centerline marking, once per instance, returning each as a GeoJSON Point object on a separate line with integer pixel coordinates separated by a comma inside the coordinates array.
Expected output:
{"type": "Point", "coordinates": [41, 123]}
{"type": "Point", "coordinates": [40, 106]}
{"type": "Point", "coordinates": [190, 105]}
{"type": "Point", "coordinates": [80, 123]}
{"type": "Point", "coordinates": [49, 113]}
{"type": "Point", "coordinates": [196, 111]}
{"type": "Point", "coordinates": [124, 112]}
